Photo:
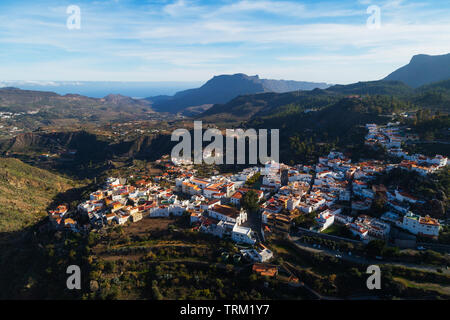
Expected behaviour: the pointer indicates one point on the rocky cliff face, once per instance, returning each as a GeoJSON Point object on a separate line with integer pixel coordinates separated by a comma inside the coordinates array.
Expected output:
{"type": "Point", "coordinates": [89, 146]}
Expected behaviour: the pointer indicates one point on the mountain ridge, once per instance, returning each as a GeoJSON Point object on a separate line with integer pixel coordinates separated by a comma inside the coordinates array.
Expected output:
{"type": "Point", "coordinates": [423, 69]}
{"type": "Point", "coordinates": [243, 108]}
{"type": "Point", "coordinates": [212, 92]}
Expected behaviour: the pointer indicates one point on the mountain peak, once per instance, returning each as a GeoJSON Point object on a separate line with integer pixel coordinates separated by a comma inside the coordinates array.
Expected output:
{"type": "Point", "coordinates": [423, 69]}
{"type": "Point", "coordinates": [223, 88]}
{"type": "Point", "coordinates": [426, 57]}
{"type": "Point", "coordinates": [419, 57]}
{"type": "Point", "coordinates": [114, 96]}
{"type": "Point", "coordinates": [118, 99]}
{"type": "Point", "coordinates": [234, 77]}
{"type": "Point", "coordinates": [245, 76]}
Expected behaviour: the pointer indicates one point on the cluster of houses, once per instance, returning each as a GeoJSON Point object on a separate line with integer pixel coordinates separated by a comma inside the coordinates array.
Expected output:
{"type": "Point", "coordinates": [8, 115]}
{"type": "Point", "coordinates": [8, 122]}
{"type": "Point", "coordinates": [323, 189]}
{"type": "Point", "coordinates": [391, 138]}
{"type": "Point", "coordinates": [213, 204]}
{"type": "Point", "coordinates": [334, 173]}
{"type": "Point", "coordinates": [285, 192]}
{"type": "Point", "coordinates": [334, 181]}
{"type": "Point", "coordinates": [60, 220]}
{"type": "Point", "coordinates": [360, 178]}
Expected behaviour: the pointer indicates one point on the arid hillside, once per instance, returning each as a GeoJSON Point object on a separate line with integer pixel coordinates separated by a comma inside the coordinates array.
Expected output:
{"type": "Point", "coordinates": [25, 193]}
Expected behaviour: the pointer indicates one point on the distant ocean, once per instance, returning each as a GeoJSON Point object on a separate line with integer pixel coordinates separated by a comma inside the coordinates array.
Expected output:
{"type": "Point", "coordinates": [100, 89]}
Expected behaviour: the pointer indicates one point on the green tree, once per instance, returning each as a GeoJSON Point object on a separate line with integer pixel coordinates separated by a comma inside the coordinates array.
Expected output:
{"type": "Point", "coordinates": [375, 248]}
{"type": "Point", "coordinates": [250, 201]}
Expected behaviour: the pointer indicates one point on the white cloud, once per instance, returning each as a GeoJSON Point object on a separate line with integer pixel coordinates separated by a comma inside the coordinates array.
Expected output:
{"type": "Point", "coordinates": [182, 8]}
{"type": "Point", "coordinates": [183, 58]}
{"type": "Point", "coordinates": [190, 41]}
{"type": "Point", "coordinates": [280, 8]}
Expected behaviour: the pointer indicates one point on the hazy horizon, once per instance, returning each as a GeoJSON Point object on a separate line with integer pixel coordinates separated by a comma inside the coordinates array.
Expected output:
{"type": "Point", "coordinates": [100, 89]}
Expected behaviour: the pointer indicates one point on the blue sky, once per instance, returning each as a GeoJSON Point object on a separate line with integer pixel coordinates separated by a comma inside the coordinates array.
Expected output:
{"type": "Point", "coordinates": [193, 40]}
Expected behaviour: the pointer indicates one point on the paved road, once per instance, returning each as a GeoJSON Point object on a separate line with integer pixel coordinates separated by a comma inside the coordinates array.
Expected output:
{"type": "Point", "coordinates": [326, 251]}
{"type": "Point", "coordinates": [303, 231]}
{"type": "Point", "coordinates": [254, 221]}
{"type": "Point", "coordinates": [360, 259]}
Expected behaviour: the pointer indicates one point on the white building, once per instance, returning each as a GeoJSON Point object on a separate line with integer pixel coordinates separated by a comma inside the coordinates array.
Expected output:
{"type": "Point", "coordinates": [325, 219]}
{"type": "Point", "coordinates": [403, 196]}
{"type": "Point", "coordinates": [112, 182]}
{"type": "Point", "coordinates": [227, 213]}
{"type": "Point", "coordinates": [359, 230]}
{"type": "Point", "coordinates": [342, 218]}
{"type": "Point", "coordinates": [423, 226]}
{"type": "Point", "coordinates": [263, 254]}
{"type": "Point", "coordinates": [292, 203]}
{"type": "Point", "coordinates": [242, 235]}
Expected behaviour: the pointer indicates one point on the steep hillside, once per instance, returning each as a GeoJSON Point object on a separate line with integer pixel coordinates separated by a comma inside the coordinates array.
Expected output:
{"type": "Point", "coordinates": [396, 88]}
{"type": "Point", "coordinates": [440, 85]}
{"type": "Point", "coordinates": [25, 193]}
{"type": "Point", "coordinates": [89, 147]}
{"type": "Point", "coordinates": [318, 120]}
{"type": "Point", "coordinates": [246, 107]}
{"type": "Point", "coordinates": [94, 154]}
{"type": "Point", "coordinates": [434, 96]}
{"type": "Point", "coordinates": [423, 69]}
{"type": "Point", "coordinates": [304, 136]}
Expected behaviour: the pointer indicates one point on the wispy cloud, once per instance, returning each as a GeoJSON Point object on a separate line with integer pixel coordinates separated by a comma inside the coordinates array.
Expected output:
{"type": "Point", "coordinates": [194, 39]}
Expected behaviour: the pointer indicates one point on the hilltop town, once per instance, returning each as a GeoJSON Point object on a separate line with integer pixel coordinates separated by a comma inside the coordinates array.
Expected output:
{"type": "Point", "coordinates": [334, 198]}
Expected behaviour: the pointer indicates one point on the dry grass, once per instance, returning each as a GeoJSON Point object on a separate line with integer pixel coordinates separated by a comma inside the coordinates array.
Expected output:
{"type": "Point", "coordinates": [25, 193]}
{"type": "Point", "coordinates": [425, 286]}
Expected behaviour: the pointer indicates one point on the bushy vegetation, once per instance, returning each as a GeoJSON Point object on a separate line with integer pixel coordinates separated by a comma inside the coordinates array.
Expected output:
{"type": "Point", "coordinates": [171, 264]}
{"type": "Point", "coordinates": [430, 125]}
{"type": "Point", "coordinates": [434, 189]}
{"type": "Point", "coordinates": [35, 266]}
{"type": "Point", "coordinates": [332, 276]}
{"type": "Point", "coordinates": [250, 201]}
{"type": "Point", "coordinates": [25, 193]}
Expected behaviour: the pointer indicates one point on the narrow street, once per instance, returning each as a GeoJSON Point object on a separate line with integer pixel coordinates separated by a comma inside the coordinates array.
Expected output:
{"type": "Point", "coordinates": [254, 221]}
